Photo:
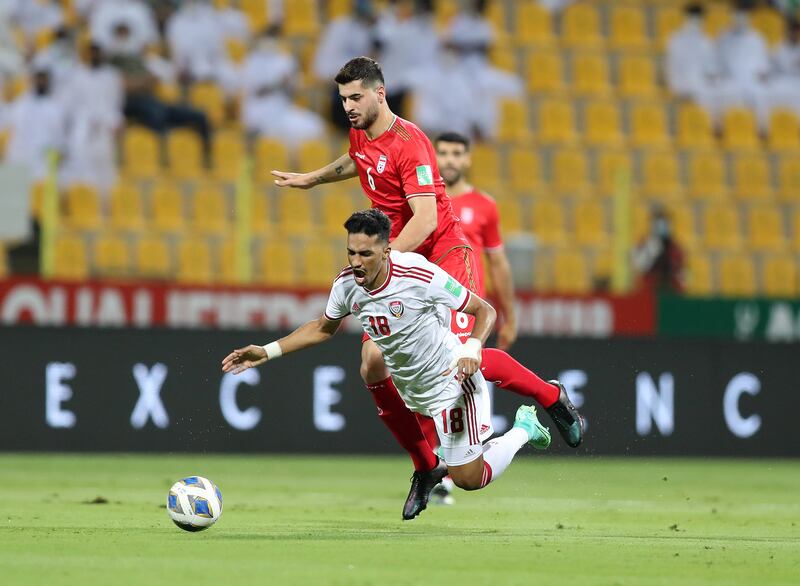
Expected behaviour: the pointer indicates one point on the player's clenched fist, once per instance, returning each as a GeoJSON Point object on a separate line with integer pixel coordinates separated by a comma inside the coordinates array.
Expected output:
{"type": "Point", "coordinates": [244, 358]}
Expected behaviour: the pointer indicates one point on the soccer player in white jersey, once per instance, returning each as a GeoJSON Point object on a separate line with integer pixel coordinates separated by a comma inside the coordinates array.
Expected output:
{"type": "Point", "coordinates": [400, 298]}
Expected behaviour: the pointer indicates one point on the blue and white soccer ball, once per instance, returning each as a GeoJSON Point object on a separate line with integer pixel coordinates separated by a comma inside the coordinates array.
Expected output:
{"type": "Point", "coordinates": [194, 503]}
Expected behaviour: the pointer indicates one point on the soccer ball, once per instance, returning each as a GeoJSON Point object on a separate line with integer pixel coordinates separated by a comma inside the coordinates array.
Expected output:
{"type": "Point", "coordinates": [194, 503]}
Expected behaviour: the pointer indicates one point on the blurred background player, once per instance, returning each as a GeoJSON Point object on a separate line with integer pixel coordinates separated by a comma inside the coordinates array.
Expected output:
{"type": "Point", "coordinates": [396, 165]}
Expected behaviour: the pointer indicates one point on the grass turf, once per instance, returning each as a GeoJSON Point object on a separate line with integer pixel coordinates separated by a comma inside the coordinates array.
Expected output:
{"type": "Point", "coordinates": [334, 520]}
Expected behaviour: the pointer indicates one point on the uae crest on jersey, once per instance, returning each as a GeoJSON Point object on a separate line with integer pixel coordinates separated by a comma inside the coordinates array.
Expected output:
{"type": "Point", "coordinates": [381, 164]}
{"type": "Point", "coordinates": [396, 307]}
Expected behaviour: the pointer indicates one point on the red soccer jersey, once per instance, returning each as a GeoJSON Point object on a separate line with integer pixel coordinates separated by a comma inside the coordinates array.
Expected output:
{"type": "Point", "coordinates": [480, 223]}
{"type": "Point", "coordinates": [401, 164]}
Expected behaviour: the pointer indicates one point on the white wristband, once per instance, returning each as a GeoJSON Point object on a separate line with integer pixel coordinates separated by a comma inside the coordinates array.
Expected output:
{"type": "Point", "coordinates": [273, 350]}
{"type": "Point", "coordinates": [469, 349]}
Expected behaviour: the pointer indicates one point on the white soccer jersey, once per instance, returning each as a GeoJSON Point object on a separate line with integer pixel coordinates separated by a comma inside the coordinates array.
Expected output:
{"type": "Point", "coordinates": [403, 317]}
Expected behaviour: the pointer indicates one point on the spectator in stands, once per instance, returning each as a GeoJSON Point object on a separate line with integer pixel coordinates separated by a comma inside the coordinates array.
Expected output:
{"type": "Point", "coordinates": [60, 58]}
{"type": "Point", "coordinates": [141, 105]}
{"type": "Point", "coordinates": [471, 35]}
{"type": "Point", "coordinates": [343, 39]}
{"type": "Point", "coordinates": [744, 60]}
{"type": "Point", "coordinates": [106, 17]}
{"type": "Point", "coordinates": [784, 91]}
{"type": "Point", "coordinates": [33, 17]}
{"type": "Point", "coordinates": [38, 124]}
{"type": "Point", "coordinates": [93, 98]}
{"type": "Point", "coordinates": [268, 77]}
{"type": "Point", "coordinates": [659, 259]}
{"type": "Point", "coordinates": [406, 38]}
{"type": "Point", "coordinates": [692, 67]}
{"type": "Point", "coordinates": [12, 62]}
{"type": "Point", "coordinates": [197, 46]}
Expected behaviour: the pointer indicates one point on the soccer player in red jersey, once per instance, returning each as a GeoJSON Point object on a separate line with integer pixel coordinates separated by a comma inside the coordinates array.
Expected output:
{"type": "Point", "coordinates": [480, 222]}
{"type": "Point", "coordinates": [396, 165]}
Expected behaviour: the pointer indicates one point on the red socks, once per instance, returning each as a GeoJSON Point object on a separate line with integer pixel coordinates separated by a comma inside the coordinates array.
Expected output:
{"type": "Point", "coordinates": [429, 429]}
{"type": "Point", "coordinates": [498, 367]}
{"type": "Point", "coordinates": [403, 424]}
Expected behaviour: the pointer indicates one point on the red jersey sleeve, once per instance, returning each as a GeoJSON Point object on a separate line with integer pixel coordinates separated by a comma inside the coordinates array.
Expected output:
{"type": "Point", "coordinates": [416, 169]}
{"type": "Point", "coordinates": [491, 229]}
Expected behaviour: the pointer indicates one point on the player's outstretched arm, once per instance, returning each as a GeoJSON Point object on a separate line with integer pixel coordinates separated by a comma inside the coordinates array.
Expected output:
{"type": "Point", "coordinates": [341, 169]}
{"type": "Point", "coordinates": [420, 226]}
{"type": "Point", "coordinates": [500, 270]}
{"type": "Point", "coordinates": [309, 334]}
{"type": "Point", "coordinates": [467, 358]}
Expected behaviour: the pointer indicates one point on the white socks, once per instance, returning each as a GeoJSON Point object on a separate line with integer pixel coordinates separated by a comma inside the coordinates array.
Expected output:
{"type": "Point", "coordinates": [498, 453]}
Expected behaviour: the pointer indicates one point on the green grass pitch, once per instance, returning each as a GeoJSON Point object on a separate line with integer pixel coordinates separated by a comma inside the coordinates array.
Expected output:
{"type": "Point", "coordinates": [335, 520]}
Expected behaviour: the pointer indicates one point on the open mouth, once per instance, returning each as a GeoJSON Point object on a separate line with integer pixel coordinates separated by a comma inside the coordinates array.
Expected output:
{"type": "Point", "coordinates": [360, 276]}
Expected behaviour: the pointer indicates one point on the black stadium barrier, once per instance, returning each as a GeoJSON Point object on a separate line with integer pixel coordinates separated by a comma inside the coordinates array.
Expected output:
{"type": "Point", "coordinates": [162, 390]}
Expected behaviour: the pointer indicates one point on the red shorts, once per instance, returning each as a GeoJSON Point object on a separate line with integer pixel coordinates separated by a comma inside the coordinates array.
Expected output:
{"type": "Point", "coordinates": [459, 263]}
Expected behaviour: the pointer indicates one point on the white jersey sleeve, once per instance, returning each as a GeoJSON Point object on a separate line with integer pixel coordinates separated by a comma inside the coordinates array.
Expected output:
{"type": "Point", "coordinates": [336, 308]}
{"type": "Point", "coordinates": [447, 291]}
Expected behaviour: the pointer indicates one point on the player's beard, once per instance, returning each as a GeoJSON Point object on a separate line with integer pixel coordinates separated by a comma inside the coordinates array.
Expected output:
{"type": "Point", "coordinates": [367, 118]}
{"type": "Point", "coordinates": [451, 176]}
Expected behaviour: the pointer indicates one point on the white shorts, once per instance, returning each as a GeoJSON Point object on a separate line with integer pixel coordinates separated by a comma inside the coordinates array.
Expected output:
{"type": "Point", "coordinates": [466, 424]}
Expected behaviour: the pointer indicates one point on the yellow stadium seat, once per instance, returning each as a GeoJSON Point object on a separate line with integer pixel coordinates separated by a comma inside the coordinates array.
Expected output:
{"type": "Point", "coordinates": [503, 57]}
{"type": "Point", "coordinates": [590, 75]}
{"type": "Point", "coordinates": [628, 28]}
{"type": "Point", "coordinates": [694, 127]}
{"type": "Point", "coordinates": [796, 230]}
{"type": "Point", "coordinates": [682, 218]}
{"type": "Point", "coordinates": [228, 154]}
{"type": "Point", "coordinates": [236, 50]}
{"type": "Point", "coordinates": [789, 178]}
{"type": "Point", "coordinates": [70, 258]}
{"type": "Point", "coordinates": [337, 205]}
{"type": "Point", "coordinates": [313, 154]}
{"type": "Point", "coordinates": [140, 152]}
{"type": "Point", "coordinates": [699, 276]}
{"type": "Point", "coordinates": [111, 255]}
{"type": "Point", "coordinates": [209, 98]}
{"type": "Point", "coordinates": [779, 276]}
{"type": "Point", "coordinates": [721, 227]}
{"type": "Point", "coordinates": [295, 211]}
{"type": "Point", "coordinates": [486, 165]}
{"type": "Point", "coordinates": [278, 265]}
{"type": "Point", "coordinates": [185, 154]}
{"type": "Point", "coordinates": [443, 11]}
{"type": "Point", "coordinates": [717, 17]}
{"type": "Point", "coordinates": [167, 205]}
{"type": "Point", "coordinates": [532, 25]}
{"type": "Point", "coordinates": [127, 210]}
{"type": "Point", "coordinates": [570, 172]}
{"type": "Point", "coordinates": [212, 210]}
{"type": "Point", "coordinates": [637, 77]}
{"type": "Point", "coordinates": [784, 131]}
{"type": "Point", "coordinates": [547, 221]}
{"type": "Point", "coordinates": [321, 262]}
{"type": "Point", "coordinates": [602, 124]}
{"type": "Point", "coordinates": [706, 175]}
{"type": "Point", "coordinates": [580, 26]}
{"type": "Point", "coordinates": [737, 276]}
{"type": "Point", "coordinates": [545, 73]}
{"type": "Point", "coordinates": [301, 18]}
{"type": "Point", "coordinates": [256, 13]}
{"type": "Point", "coordinates": [609, 165]}
{"type": "Point", "coordinates": [751, 177]}
{"type": "Point", "coordinates": [270, 154]}
{"type": "Point", "coordinates": [168, 92]}
{"type": "Point", "coordinates": [525, 170]}
{"type": "Point", "coordinates": [668, 20]}
{"type": "Point", "coordinates": [496, 15]}
{"type": "Point", "coordinates": [510, 212]}
{"type": "Point", "coordinates": [153, 257]}
{"type": "Point", "coordinates": [556, 122]}
{"type": "Point", "coordinates": [226, 261]}
{"type": "Point", "coordinates": [649, 127]}
{"type": "Point", "coordinates": [769, 23]}
{"type": "Point", "coordinates": [83, 207]}
{"type": "Point", "coordinates": [514, 126]}
{"type": "Point", "coordinates": [661, 176]}
{"type": "Point", "coordinates": [571, 272]}
{"type": "Point", "coordinates": [194, 261]}
{"type": "Point", "coordinates": [261, 221]}
{"type": "Point", "coordinates": [765, 228]}
{"type": "Point", "coordinates": [739, 131]}
{"type": "Point", "coordinates": [590, 224]}
{"type": "Point", "coordinates": [639, 220]}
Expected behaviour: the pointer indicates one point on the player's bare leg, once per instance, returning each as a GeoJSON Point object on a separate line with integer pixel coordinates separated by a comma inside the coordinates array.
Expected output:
{"type": "Point", "coordinates": [498, 453]}
{"type": "Point", "coordinates": [405, 428]}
